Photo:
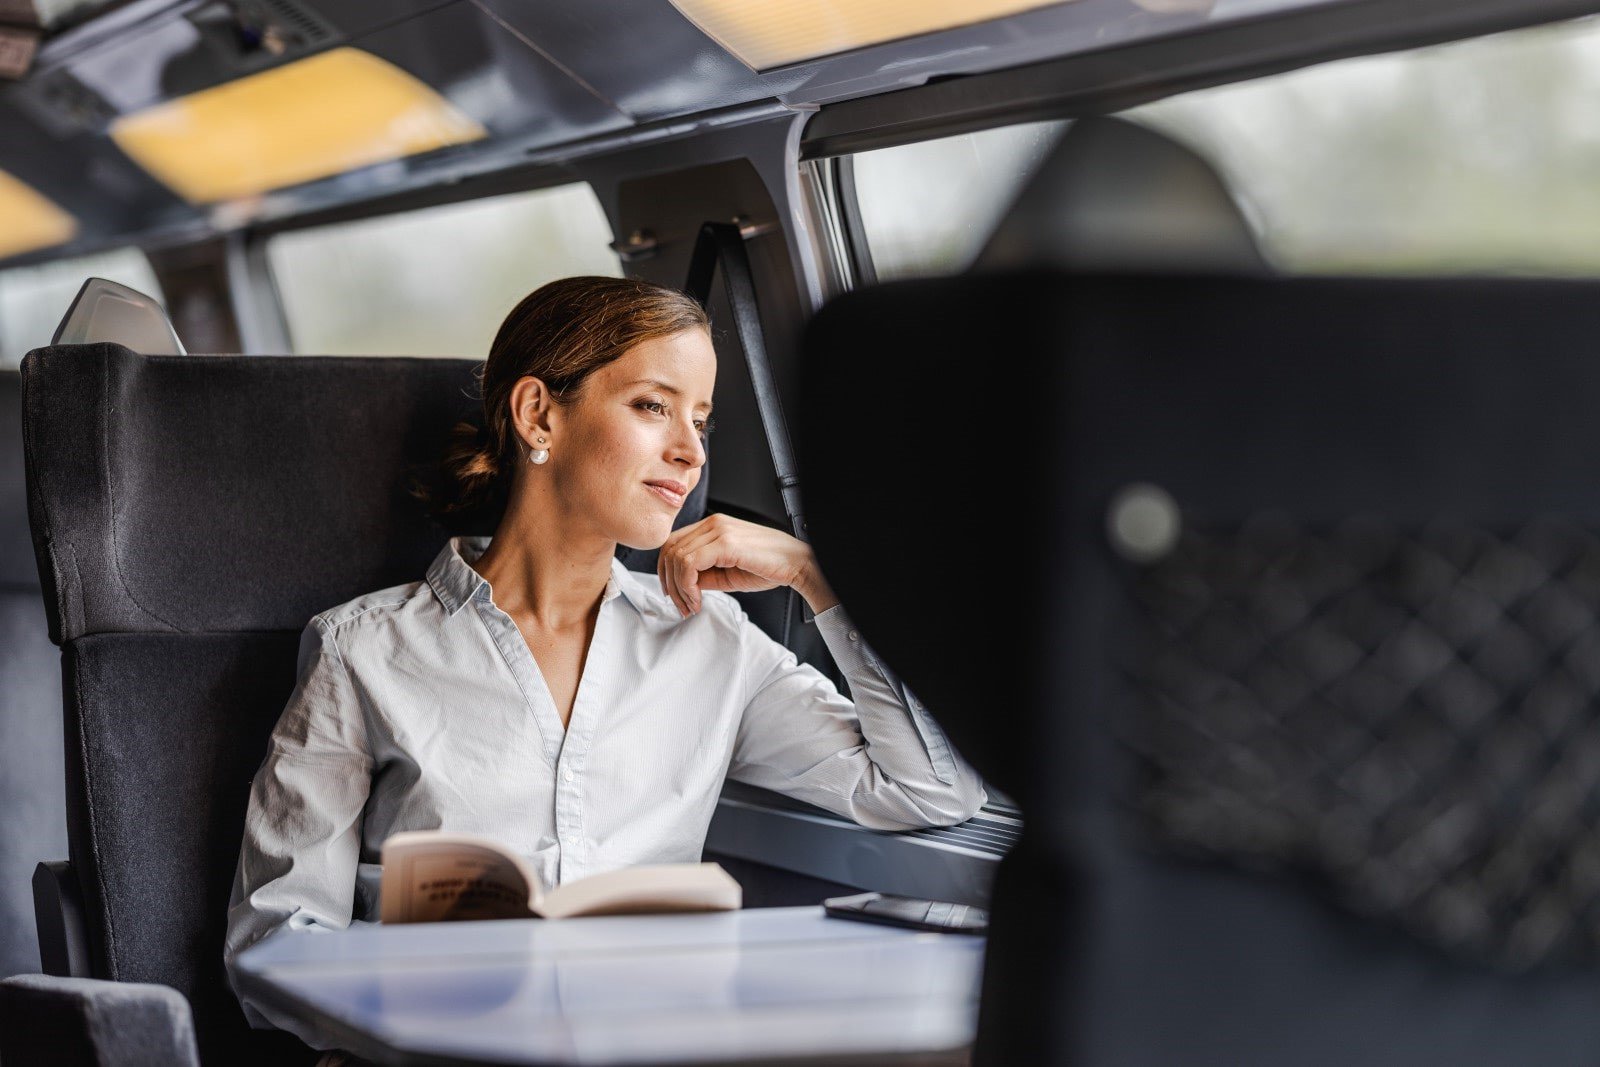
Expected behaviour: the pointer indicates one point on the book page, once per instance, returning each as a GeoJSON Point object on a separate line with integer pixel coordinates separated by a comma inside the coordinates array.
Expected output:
{"type": "Point", "coordinates": [431, 876]}
{"type": "Point", "coordinates": [659, 888]}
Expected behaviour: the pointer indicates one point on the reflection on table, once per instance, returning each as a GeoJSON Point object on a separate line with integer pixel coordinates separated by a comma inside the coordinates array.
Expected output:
{"type": "Point", "coordinates": [763, 983]}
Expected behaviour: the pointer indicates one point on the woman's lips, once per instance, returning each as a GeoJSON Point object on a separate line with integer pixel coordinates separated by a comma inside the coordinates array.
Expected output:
{"type": "Point", "coordinates": [667, 492]}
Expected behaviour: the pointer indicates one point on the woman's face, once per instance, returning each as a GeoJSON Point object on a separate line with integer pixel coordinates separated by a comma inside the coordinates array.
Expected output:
{"type": "Point", "coordinates": [626, 453]}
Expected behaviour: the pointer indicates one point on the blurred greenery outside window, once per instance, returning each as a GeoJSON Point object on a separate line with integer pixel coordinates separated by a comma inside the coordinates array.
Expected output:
{"type": "Point", "coordinates": [1476, 157]}
{"type": "Point", "coordinates": [34, 300]}
{"type": "Point", "coordinates": [434, 282]}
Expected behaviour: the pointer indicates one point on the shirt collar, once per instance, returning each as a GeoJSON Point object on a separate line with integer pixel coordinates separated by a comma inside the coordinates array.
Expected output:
{"type": "Point", "coordinates": [455, 583]}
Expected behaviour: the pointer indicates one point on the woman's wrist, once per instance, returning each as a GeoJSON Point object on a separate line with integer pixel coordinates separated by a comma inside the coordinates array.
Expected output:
{"type": "Point", "coordinates": [814, 588]}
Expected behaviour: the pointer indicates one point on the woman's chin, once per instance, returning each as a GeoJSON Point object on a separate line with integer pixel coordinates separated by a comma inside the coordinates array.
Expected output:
{"type": "Point", "coordinates": [647, 538]}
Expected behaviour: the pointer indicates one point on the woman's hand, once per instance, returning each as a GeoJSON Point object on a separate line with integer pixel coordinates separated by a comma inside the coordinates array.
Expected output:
{"type": "Point", "coordinates": [734, 556]}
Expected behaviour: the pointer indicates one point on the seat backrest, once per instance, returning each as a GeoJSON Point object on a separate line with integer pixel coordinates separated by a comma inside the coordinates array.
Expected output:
{"type": "Point", "coordinates": [189, 516]}
{"type": "Point", "coordinates": [1290, 653]}
{"type": "Point", "coordinates": [31, 796]}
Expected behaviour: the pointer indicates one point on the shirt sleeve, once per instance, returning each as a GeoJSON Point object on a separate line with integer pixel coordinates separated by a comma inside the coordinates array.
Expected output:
{"type": "Point", "coordinates": [878, 758]}
{"type": "Point", "coordinates": [302, 834]}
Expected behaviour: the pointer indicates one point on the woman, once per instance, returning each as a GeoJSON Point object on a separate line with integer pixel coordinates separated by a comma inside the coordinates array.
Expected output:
{"type": "Point", "coordinates": [534, 689]}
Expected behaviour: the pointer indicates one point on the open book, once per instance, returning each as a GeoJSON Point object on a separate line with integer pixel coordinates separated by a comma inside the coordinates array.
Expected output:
{"type": "Point", "coordinates": [435, 876]}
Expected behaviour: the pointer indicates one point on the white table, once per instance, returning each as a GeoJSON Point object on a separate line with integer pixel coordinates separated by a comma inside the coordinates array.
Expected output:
{"type": "Point", "coordinates": [764, 984]}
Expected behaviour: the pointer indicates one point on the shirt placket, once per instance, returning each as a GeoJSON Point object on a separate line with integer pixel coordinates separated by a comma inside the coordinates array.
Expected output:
{"type": "Point", "coordinates": [565, 750]}
{"type": "Point", "coordinates": [587, 707]}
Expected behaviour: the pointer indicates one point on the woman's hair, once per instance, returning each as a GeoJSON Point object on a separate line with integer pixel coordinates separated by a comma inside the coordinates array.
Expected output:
{"type": "Point", "coordinates": [560, 333]}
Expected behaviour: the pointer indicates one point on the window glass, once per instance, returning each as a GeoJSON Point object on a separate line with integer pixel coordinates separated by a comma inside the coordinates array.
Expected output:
{"type": "Point", "coordinates": [33, 300]}
{"type": "Point", "coordinates": [927, 208]}
{"type": "Point", "coordinates": [434, 282]}
{"type": "Point", "coordinates": [1479, 156]}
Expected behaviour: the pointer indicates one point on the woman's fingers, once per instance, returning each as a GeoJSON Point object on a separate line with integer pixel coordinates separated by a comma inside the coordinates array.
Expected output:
{"type": "Point", "coordinates": [693, 556]}
{"type": "Point", "coordinates": [666, 564]}
{"type": "Point", "coordinates": [661, 575]}
{"type": "Point", "coordinates": [678, 574]}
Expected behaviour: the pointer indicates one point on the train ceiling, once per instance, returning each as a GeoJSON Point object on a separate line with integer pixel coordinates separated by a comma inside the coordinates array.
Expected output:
{"type": "Point", "coordinates": [160, 121]}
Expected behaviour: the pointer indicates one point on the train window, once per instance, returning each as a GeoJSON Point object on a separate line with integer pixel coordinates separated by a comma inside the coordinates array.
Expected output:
{"type": "Point", "coordinates": [436, 281]}
{"type": "Point", "coordinates": [34, 299]}
{"type": "Point", "coordinates": [1479, 156]}
{"type": "Point", "coordinates": [1474, 157]}
{"type": "Point", "coordinates": [926, 208]}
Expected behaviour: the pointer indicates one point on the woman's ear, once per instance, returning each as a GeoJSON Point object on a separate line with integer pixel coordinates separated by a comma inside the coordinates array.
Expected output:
{"type": "Point", "coordinates": [531, 406]}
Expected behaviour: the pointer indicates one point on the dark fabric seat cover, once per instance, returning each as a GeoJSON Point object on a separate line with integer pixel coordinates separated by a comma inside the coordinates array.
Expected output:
{"type": "Point", "coordinates": [190, 515]}
{"type": "Point", "coordinates": [1283, 413]}
{"type": "Point", "coordinates": [34, 825]}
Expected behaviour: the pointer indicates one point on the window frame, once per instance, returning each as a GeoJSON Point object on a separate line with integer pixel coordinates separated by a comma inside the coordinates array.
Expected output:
{"type": "Point", "coordinates": [841, 181]}
{"type": "Point", "coordinates": [1116, 79]}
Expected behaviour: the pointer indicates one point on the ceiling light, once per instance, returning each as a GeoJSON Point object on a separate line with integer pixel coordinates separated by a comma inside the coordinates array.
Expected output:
{"type": "Point", "coordinates": [29, 221]}
{"type": "Point", "coordinates": [774, 33]}
{"type": "Point", "coordinates": [313, 118]}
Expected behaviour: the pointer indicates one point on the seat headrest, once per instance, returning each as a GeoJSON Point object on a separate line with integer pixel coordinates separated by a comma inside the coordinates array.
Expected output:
{"type": "Point", "coordinates": [1115, 196]}
{"type": "Point", "coordinates": [108, 311]}
{"type": "Point", "coordinates": [230, 493]}
{"type": "Point", "coordinates": [235, 493]}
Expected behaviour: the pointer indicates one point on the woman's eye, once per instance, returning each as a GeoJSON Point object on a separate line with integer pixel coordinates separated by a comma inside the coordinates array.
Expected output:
{"type": "Point", "coordinates": [705, 426]}
{"type": "Point", "coordinates": [654, 406]}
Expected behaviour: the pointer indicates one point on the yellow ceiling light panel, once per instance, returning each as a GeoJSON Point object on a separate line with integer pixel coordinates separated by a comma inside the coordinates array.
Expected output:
{"type": "Point", "coordinates": [316, 117]}
{"type": "Point", "coordinates": [774, 33]}
{"type": "Point", "coordinates": [29, 221]}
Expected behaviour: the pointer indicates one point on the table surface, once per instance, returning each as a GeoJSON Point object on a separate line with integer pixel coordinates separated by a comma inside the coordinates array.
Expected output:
{"type": "Point", "coordinates": [766, 983]}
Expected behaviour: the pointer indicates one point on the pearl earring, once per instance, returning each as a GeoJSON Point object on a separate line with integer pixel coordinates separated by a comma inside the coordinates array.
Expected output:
{"type": "Point", "coordinates": [538, 455]}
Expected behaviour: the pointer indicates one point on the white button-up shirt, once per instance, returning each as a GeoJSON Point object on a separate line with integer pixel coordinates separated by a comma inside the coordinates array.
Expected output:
{"type": "Point", "coordinates": [420, 707]}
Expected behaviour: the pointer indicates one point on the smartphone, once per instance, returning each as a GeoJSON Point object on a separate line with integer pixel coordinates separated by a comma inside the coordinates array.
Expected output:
{"type": "Point", "coordinates": [886, 908]}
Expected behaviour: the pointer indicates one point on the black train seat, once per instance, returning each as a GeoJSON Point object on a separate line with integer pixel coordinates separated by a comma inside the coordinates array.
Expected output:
{"type": "Point", "coordinates": [190, 515]}
{"type": "Point", "coordinates": [1115, 196]}
{"type": "Point", "coordinates": [31, 788]}
{"type": "Point", "coordinates": [1288, 643]}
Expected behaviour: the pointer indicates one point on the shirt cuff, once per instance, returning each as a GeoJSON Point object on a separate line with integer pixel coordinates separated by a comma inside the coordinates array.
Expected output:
{"type": "Point", "coordinates": [844, 641]}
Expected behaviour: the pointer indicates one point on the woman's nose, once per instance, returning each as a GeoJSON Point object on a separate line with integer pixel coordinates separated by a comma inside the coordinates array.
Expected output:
{"type": "Point", "coordinates": [688, 445]}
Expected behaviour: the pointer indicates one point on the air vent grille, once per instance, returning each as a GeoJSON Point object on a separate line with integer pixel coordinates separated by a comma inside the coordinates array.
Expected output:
{"type": "Point", "coordinates": [993, 836]}
{"type": "Point", "coordinates": [307, 27]}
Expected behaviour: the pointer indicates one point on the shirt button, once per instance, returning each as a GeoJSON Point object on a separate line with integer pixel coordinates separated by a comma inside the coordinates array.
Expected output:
{"type": "Point", "coordinates": [855, 635]}
{"type": "Point", "coordinates": [566, 775]}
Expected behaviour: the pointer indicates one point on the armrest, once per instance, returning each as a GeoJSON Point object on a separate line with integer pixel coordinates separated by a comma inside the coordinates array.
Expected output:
{"type": "Point", "coordinates": [87, 1022]}
{"type": "Point", "coordinates": [58, 914]}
